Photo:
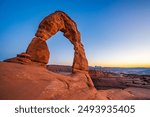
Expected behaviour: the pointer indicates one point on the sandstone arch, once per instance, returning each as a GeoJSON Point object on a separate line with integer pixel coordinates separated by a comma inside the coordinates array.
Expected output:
{"type": "Point", "coordinates": [37, 51]}
{"type": "Point", "coordinates": [50, 25]}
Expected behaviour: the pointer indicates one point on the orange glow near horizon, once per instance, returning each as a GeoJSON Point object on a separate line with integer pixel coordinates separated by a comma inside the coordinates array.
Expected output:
{"type": "Point", "coordinates": [121, 65]}
{"type": "Point", "coordinates": [130, 57]}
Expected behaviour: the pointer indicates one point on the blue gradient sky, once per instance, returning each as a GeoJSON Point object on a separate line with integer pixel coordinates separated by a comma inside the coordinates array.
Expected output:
{"type": "Point", "coordinates": [114, 32]}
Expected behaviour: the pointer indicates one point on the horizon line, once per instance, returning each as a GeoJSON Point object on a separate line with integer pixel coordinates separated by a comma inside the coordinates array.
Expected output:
{"type": "Point", "coordinates": [106, 66]}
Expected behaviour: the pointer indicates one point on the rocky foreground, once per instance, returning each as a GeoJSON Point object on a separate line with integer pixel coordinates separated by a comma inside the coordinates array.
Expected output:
{"type": "Point", "coordinates": [19, 81]}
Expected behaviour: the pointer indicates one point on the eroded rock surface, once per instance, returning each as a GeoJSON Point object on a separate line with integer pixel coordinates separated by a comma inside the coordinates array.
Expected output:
{"type": "Point", "coordinates": [38, 50]}
{"type": "Point", "coordinates": [31, 82]}
{"type": "Point", "coordinates": [19, 81]}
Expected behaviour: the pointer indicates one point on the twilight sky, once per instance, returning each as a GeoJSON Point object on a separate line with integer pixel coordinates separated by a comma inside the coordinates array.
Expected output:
{"type": "Point", "coordinates": [115, 33]}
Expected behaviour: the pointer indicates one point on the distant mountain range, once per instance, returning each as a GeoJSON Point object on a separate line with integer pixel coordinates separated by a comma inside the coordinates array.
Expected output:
{"type": "Point", "coordinates": [140, 71]}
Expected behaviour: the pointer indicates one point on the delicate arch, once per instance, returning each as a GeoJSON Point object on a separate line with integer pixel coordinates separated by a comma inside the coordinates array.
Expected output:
{"type": "Point", "coordinates": [50, 25]}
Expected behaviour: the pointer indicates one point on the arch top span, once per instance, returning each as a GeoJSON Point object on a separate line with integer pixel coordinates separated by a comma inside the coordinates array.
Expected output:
{"type": "Point", "coordinates": [58, 21]}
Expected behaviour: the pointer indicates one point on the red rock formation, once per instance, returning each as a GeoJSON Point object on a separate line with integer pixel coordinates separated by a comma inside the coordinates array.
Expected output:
{"type": "Point", "coordinates": [96, 74]}
{"type": "Point", "coordinates": [31, 82]}
{"type": "Point", "coordinates": [19, 81]}
{"type": "Point", "coordinates": [59, 21]}
{"type": "Point", "coordinates": [50, 25]}
{"type": "Point", "coordinates": [37, 52]}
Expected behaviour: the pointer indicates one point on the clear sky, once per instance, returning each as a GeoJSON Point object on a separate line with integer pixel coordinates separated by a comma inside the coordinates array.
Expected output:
{"type": "Point", "coordinates": [114, 32]}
